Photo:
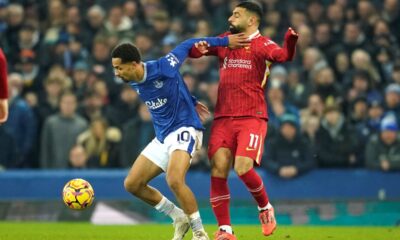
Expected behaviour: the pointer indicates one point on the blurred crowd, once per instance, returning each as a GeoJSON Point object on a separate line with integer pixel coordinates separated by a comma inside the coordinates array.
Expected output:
{"type": "Point", "coordinates": [336, 105]}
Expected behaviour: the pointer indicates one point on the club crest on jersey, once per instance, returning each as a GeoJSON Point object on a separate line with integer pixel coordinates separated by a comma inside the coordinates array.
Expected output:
{"type": "Point", "coordinates": [158, 84]}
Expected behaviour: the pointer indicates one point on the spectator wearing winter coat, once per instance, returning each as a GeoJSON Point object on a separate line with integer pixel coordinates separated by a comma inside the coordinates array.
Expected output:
{"type": "Point", "coordinates": [335, 141]}
{"type": "Point", "coordinates": [383, 149]}
{"type": "Point", "coordinates": [288, 153]}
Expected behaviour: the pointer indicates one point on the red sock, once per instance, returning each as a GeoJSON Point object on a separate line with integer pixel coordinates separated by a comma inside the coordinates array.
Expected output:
{"type": "Point", "coordinates": [256, 187]}
{"type": "Point", "coordinates": [219, 199]}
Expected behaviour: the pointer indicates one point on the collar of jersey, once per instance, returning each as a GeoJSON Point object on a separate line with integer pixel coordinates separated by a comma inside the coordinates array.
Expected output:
{"type": "Point", "coordinates": [144, 75]}
{"type": "Point", "coordinates": [254, 35]}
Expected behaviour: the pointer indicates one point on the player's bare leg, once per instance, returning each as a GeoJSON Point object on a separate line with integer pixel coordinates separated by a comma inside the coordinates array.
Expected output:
{"type": "Point", "coordinates": [178, 166]}
{"type": "Point", "coordinates": [221, 164]}
{"type": "Point", "coordinates": [142, 171]}
{"type": "Point", "coordinates": [244, 168]}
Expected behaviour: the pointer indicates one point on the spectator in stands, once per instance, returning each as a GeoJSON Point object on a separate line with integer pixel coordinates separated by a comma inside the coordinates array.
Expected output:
{"type": "Point", "coordinates": [395, 76]}
{"type": "Point", "coordinates": [124, 109]}
{"type": "Point", "coordinates": [92, 107]}
{"type": "Point", "coordinates": [50, 100]}
{"type": "Point", "coordinates": [297, 92]}
{"type": "Point", "coordinates": [288, 153]}
{"type": "Point", "coordinates": [101, 144]}
{"type": "Point", "coordinates": [15, 18]}
{"type": "Point", "coordinates": [80, 74]}
{"type": "Point", "coordinates": [94, 22]}
{"type": "Point", "coordinates": [358, 120]}
{"type": "Point", "coordinates": [375, 114]}
{"type": "Point", "coordinates": [59, 133]}
{"type": "Point", "coordinates": [78, 157]}
{"type": "Point", "coordinates": [8, 150]}
{"type": "Point", "coordinates": [278, 106]}
{"type": "Point", "coordinates": [361, 60]}
{"type": "Point", "coordinates": [392, 100]}
{"type": "Point", "coordinates": [136, 134]}
{"type": "Point", "coordinates": [310, 128]}
{"type": "Point", "coordinates": [315, 108]}
{"type": "Point", "coordinates": [21, 124]}
{"type": "Point", "coordinates": [326, 85]}
{"type": "Point", "coordinates": [117, 25]}
{"type": "Point", "coordinates": [336, 141]}
{"type": "Point", "coordinates": [383, 149]}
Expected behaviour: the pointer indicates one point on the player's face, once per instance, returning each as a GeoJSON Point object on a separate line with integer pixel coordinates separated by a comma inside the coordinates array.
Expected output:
{"type": "Point", "coordinates": [238, 20]}
{"type": "Point", "coordinates": [126, 71]}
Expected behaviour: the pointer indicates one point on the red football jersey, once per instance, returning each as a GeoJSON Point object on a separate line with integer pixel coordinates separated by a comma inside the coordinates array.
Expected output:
{"type": "Point", "coordinates": [3, 76]}
{"type": "Point", "coordinates": [244, 73]}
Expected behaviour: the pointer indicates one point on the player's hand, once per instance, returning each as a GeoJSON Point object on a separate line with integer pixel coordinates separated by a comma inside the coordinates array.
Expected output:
{"type": "Point", "coordinates": [3, 110]}
{"type": "Point", "coordinates": [202, 46]}
{"type": "Point", "coordinates": [238, 41]}
{"type": "Point", "coordinates": [291, 34]}
{"type": "Point", "coordinates": [203, 111]}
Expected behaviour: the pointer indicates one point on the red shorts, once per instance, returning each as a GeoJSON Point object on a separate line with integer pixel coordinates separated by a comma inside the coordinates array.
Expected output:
{"type": "Point", "coordinates": [243, 136]}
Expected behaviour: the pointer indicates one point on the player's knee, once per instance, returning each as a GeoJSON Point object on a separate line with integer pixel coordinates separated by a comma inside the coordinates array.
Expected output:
{"type": "Point", "coordinates": [132, 186]}
{"type": "Point", "coordinates": [174, 182]}
{"type": "Point", "coordinates": [219, 169]}
{"type": "Point", "coordinates": [241, 169]}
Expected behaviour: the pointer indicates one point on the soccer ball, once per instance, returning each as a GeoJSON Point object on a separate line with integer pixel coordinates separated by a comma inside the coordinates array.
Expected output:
{"type": "Point", "coordinates": [78, 194]}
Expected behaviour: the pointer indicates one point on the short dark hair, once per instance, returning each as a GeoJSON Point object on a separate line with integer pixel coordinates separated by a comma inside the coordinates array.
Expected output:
{"type": "Point", "coordinates": [253, 7]}
{"type": "Point", "coordinates": [127, 52]}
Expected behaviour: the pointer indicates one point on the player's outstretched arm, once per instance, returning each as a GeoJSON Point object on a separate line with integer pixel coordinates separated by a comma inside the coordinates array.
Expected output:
{"type": "Point", "coordinates": [203, 48]}
{"type": "Point", "coordinates": [286, 53]}
{"type": "Point", "coordinates": [182, 50]}
{"type": "Point", "coordinates": [3, 88]}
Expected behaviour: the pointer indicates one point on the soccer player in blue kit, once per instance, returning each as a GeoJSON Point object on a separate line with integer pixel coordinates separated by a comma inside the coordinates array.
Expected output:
{"type": "Point", "coordinates": [177, 124]}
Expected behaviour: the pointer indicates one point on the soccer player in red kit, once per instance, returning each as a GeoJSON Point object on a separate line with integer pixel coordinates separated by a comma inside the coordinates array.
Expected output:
{"type": "Point", "coordinates": [240, 122]}
{"type": "Point", "coordinates": [3, 88]}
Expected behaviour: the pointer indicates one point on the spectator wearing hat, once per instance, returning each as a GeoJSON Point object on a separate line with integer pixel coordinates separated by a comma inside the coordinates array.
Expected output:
{"type": "Point", "coordinates": [375, 114]}
{"type": "Point", "coordinates": [80, 74]}
{"type": "Point", "coordinates": [30, 71]}
{"type": "Point", "coordinates": [336, 140]}
{"type": "Point", "coordinates": [383, 149]}
{"type": "Point", "coordinates": [392, 100]}
{"type": "Point", "coordinates": [288, 154]}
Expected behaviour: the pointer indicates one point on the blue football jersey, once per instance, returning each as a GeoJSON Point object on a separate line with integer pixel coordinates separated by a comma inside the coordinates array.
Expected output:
{"type": "Point", "coordinates": [165, 93]}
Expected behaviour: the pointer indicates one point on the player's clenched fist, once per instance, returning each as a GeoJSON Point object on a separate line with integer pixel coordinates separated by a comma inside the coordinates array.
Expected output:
{"type": "Point", "coordinates": [291, 34]}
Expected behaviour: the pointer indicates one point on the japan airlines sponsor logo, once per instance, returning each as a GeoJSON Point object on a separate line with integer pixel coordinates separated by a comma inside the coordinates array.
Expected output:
{"type": "Point", "coordinates": [157, 103]}
{"type": "Point", "coordinates": [237, 63]}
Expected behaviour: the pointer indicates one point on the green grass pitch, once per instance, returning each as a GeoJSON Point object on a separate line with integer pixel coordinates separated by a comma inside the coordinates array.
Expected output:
{"type": "Point", "coordinates": [86, 231]}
